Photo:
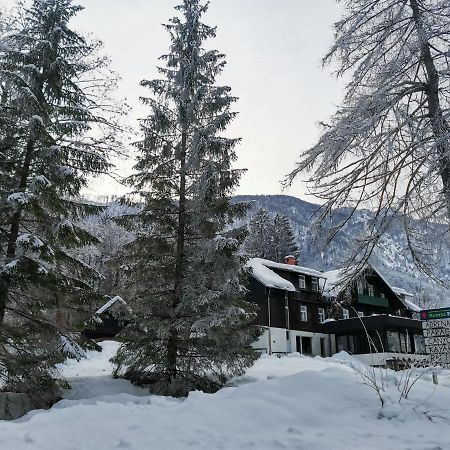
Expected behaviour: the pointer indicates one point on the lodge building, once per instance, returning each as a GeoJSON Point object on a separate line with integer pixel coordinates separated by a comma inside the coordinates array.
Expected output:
{"type": "Point", "coordinates": [313, 313]}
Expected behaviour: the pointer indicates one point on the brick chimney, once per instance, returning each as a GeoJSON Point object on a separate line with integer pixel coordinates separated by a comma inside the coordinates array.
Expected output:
{"type": "Point", "coordinates": [291, 260]}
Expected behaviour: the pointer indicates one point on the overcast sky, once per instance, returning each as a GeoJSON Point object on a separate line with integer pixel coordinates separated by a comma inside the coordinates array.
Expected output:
{"type": "Point", "coordinates": [273, 49]}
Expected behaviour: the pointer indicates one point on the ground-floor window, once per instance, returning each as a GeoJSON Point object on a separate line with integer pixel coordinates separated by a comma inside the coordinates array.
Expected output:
{"type": "Point", "coordinates": [393, 341]}
{"type": "Point", "coordinates": [323, 347]}
{"type": "Point", "coordinates": [304, 345]}
{"type": "Point", "coordinates": [419, 344]}
{"type": "Point", "coordinates": [342, 344]}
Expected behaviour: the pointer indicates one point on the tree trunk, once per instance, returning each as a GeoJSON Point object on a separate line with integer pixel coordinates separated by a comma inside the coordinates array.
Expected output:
{"type": "Point", "coordinates": [440, 127]}
{"type": "Point", "coordinates": [172, 346]}
{"type": "Point", "coordinates": [15, 226]}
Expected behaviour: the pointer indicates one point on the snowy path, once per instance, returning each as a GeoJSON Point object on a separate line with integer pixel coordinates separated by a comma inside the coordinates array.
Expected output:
{"type": "Point", "coordinates": [291, 403]}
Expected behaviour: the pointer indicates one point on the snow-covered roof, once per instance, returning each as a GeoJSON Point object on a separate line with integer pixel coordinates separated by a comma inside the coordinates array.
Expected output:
{"type": "Point", "coordinates": [332, 284]}
{"type": "Point", "coordinates": [401, 291]}
{"type": "Point", "coordinates": [110, 303]}
{"type": "Point", "coordinates": [288, 267]}
{"type": "Point", "coordinates": [412, 306]}
{"type": "Point", "coordinates": [268, 277]}
{"type": "Point", "coordinates": [262, 271]}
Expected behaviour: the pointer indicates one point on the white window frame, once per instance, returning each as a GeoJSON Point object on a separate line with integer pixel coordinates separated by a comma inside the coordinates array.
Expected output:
{"type": "Point", "coordinates": [345, 313]}
{"type": "Point", "coordinates": [302, 281]}
{"type": "Point", "coordinates": [303, 313]}
{"type": "Point", "coordinates": [360, 287]}
{"type": "Point", "coordinates": [322, 315]}
{"type": "Point", "coordinates": [382, 295]}
{"type": "Point", "coordinates": [314, 284]}
{"type": "Point", "coordinates": [370, 290]}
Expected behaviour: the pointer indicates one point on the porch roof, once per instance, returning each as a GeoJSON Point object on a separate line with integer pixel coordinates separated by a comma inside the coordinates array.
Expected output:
{"type": "Point", "coordinates": [374, 322]}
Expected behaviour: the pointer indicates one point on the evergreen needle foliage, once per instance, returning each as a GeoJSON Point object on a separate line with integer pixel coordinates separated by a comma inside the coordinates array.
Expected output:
{"type": "Point", "coordinates": [56, 130]}
{"type": "Point", "coordinates": [185, 274]}
{"type": "Point", "coordinates": [270, 237]}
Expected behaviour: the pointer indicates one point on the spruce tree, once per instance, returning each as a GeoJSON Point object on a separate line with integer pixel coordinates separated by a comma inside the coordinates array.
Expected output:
{"type": "Point", "coordinates": [284, 238]}
{"type": "Point", "coordinates": [260, 242]}
{"type": "Point", "coordinates": [54, 134]}
{"type": "Point", "coordinates": [186, 278]}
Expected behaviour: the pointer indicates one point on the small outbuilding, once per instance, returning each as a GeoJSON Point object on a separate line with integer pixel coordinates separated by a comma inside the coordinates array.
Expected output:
{"type": "Point", "coordinates": [109, 320]}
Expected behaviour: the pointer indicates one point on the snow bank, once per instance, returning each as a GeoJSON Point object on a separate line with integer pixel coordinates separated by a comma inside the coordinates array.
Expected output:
{"type": "Point", "coordinates": [293, 402]}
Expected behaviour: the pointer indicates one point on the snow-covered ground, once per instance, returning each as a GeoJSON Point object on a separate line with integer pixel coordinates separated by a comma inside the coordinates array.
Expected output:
{"type": "Point", "coordinates": [281, 403]}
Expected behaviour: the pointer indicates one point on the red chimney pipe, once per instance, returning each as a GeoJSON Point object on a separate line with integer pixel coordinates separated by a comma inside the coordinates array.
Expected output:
{"type": "Point", "coordinates": [291, 260]}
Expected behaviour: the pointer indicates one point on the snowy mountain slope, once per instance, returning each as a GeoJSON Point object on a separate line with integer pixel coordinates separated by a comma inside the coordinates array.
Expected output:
{"type": "Point", "coordinates": [391, 258]}
{"type": "Point", "coordinates": [282, 403]}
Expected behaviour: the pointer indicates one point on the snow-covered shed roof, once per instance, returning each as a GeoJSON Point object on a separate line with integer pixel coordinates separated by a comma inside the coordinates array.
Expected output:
{"type": "Point", "coordinates": [262, 271]}
{"type": "Point", "coordinates": [401, 291]}
{"type": "Point", "coordinates": [110, 303]}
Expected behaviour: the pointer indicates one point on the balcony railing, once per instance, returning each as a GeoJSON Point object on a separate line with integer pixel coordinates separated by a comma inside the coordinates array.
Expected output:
{"type": "Point", "coordinates": [374, 301]}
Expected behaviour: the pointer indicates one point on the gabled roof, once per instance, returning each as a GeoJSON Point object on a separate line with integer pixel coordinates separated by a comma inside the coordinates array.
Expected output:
{"type": "Point", "coordinates": [335, 284]}
{"type": "Point", "coordinates": [262, 271]}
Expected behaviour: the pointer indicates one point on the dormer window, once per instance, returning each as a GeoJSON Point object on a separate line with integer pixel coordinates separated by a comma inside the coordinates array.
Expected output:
{"type": "Point", "coordinates": [301, 282]}
{"type": "Point", "coordinates": [370, 290]}
{"type": "Point", "coordinates": [314, 284]}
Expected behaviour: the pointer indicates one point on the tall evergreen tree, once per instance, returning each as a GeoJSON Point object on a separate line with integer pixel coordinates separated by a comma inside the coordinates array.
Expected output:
{"type": "Point", "coordinates": [185, 270]}
{"type": "Point", "coordinates": [284, 238]}
{"type": "Point", "coordinates": [260, 242]}
{"type": "Point", "coordinates": [270, 237]}
{"type": "Point", "coordinates": [55, 133]}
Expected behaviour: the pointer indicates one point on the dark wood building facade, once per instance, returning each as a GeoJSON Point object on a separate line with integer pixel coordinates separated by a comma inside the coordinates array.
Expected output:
{"type": "Point", "coordinates": [307, 311]}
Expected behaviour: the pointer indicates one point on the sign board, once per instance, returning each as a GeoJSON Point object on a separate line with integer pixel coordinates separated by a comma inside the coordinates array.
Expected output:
{"type": "Point", "coordinates": [435, 314]}
{"type": "Point", "coordinates": [436, 331]}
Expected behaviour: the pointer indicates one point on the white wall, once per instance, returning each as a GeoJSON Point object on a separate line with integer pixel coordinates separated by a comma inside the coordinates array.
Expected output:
{"type": "Point", "coordinates": [281, 345]}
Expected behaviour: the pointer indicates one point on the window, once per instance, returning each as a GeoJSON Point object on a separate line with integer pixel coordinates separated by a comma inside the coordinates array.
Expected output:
{"type": "Point", "coordinates": [301, 282]}
{"type": "Point", "coordinates": [370, 290]}
{"type": "Point", "coordinates": [360, 314]}
{"type": "Point", "coordinates": [303, 313]}
{"type": "Point", "coordinates": [323, 347]}
{"type": "Point", "coordinates": [345, 313]}
{"type": "Point", "coordinates": [360, 287]}
{"type": "Point", "coordinates": [342, 344]}
{"type": "Point", "coordinates": [314, 284]}
{"type": "Point", "coordinates": [393, 340]}
{"type": "Point", "coordinates": [306, 345]}
{"type": "Point", "coordinates": [382, 295]}
{"type": "Point", "coordinates": [321, 315]}
{"type": "Point", "coordinates": [419, 344]}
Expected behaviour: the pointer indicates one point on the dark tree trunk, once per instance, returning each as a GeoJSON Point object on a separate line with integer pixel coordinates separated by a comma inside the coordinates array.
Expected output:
{"type": "Point", "coordinates": [15, 226]}
{"type": "Point", "coordinates": [440, 127]}
{"type": "Point", "coordinates": [173, 344]}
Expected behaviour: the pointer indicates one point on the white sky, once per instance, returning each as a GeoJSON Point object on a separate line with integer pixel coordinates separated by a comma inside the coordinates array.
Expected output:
{"type": "Point", "coordinates": [273, 49]}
